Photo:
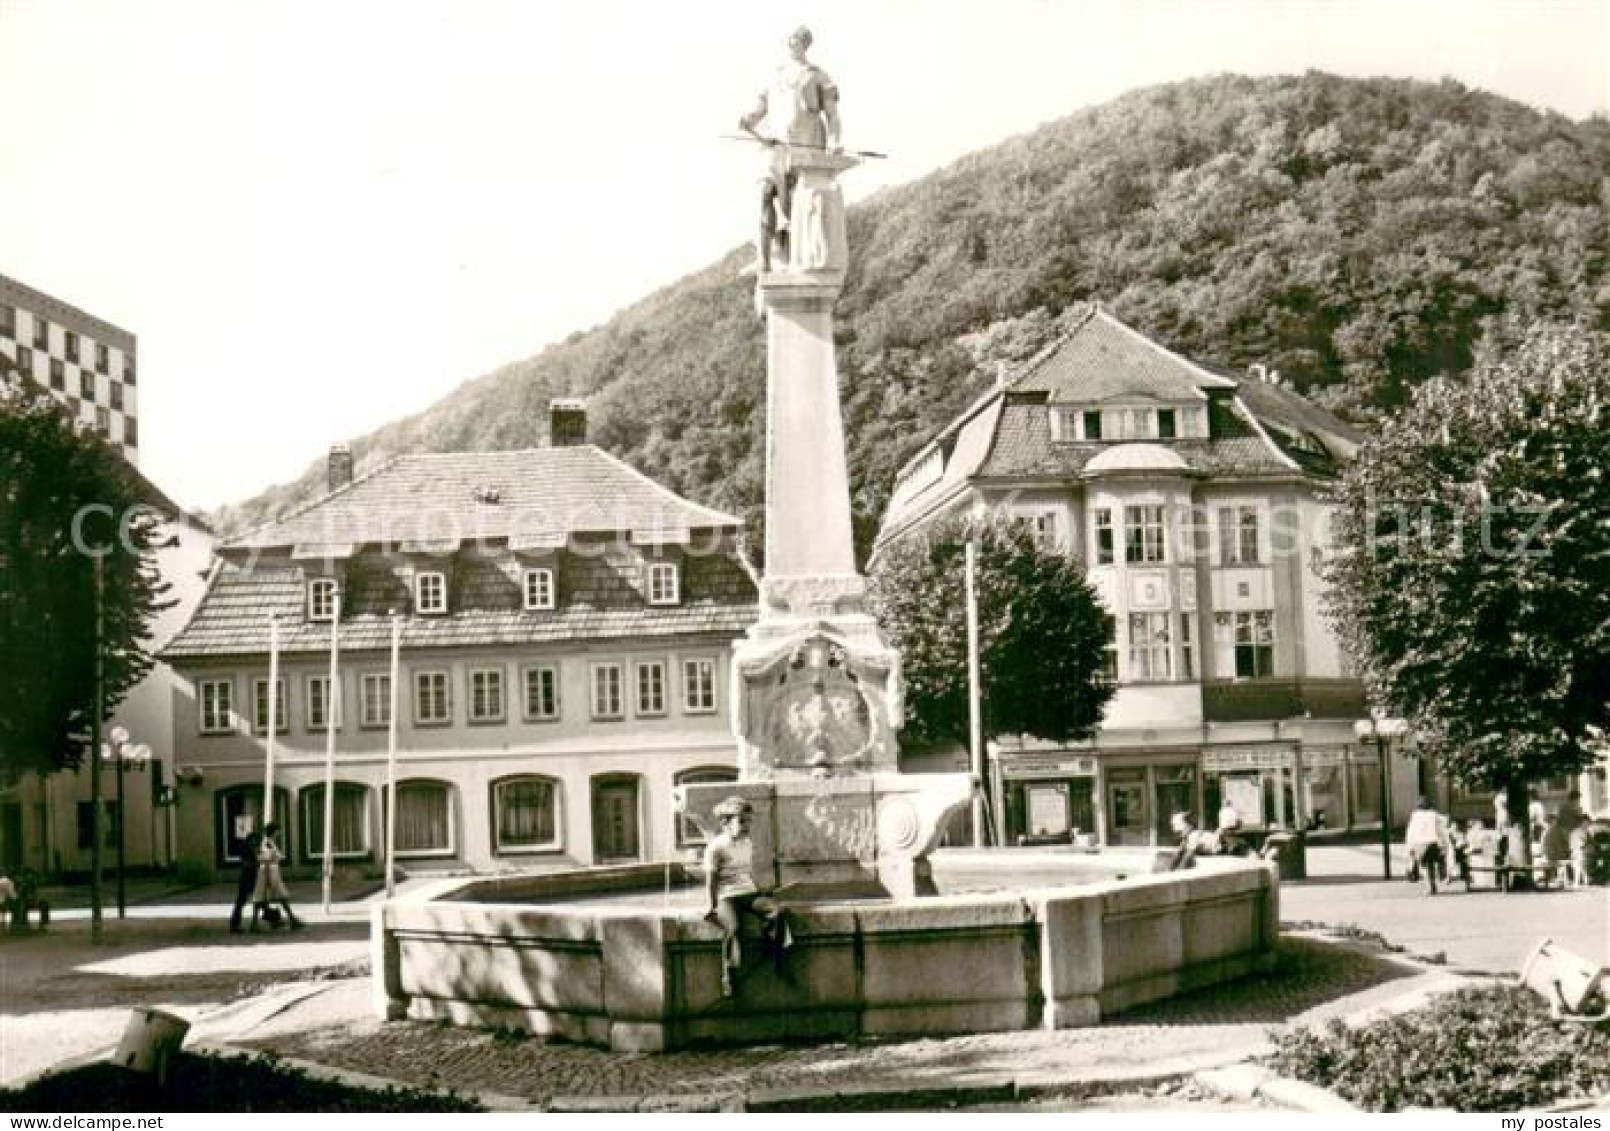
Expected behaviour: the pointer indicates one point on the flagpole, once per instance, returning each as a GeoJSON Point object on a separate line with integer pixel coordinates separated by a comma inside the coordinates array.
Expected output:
{"type": "Point", "coordinates": [273, 715]}
{"type": "Point", "coordinates": [975, 727]}
{"type": "Point", "coordinates": [391, 760]}
{"type": "Point", "coordinates": [329, 754]}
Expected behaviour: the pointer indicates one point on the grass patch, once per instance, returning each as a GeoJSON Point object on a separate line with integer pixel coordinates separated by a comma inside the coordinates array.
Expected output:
{"type": "Point", "coordinates": [215, 1083]}
{"type": "Point", "coordinates": [1486, 1049]}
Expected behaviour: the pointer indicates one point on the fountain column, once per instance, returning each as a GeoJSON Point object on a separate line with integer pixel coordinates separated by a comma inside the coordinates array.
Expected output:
{"type": "Point", "coordinates": [816, 692]}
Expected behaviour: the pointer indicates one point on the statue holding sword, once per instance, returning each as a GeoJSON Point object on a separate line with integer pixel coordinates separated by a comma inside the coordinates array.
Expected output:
{"type": "Point", "coordinates": [800, 107]}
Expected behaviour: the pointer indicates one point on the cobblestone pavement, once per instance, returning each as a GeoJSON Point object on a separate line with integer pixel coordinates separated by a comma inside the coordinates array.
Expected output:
{"type": "Point", "coordinates": [1217, 1026]}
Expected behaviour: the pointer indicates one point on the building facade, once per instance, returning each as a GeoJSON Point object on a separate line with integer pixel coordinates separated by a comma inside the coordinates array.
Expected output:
{"type": "Point", "coordinates": [565, 628]}
{"type": "Point", "coordinates": [89, 364]}
{"type": "Point", "coordinates": [1193, 499]}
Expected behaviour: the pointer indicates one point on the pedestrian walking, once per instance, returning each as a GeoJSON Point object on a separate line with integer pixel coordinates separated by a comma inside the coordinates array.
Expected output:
{"type": "Point", "coordinates": [1426, 838]}
{"type": "Point", "coordinates": [270, 888]}
{"type": "Point", "coordinates": [246, 882]}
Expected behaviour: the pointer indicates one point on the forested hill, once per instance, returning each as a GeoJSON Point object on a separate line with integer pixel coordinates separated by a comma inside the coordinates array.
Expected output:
{"type": "Point", "coordinates": [1356, 235]}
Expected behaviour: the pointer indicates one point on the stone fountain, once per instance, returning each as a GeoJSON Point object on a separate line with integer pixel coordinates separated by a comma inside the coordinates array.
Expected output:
{"type": "Point", "coordinates": [891, 936]}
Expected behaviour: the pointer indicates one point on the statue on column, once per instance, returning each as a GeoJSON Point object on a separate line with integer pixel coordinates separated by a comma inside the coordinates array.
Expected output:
{"type": "Point", "coordinates": [798, 108]}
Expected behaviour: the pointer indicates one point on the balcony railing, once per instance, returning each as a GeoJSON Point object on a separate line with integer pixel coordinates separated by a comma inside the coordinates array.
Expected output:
{"type": "Point", "coordinates": [1244, 700]}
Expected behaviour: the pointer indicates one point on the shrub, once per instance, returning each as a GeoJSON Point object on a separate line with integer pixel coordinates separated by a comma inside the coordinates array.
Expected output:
{"type": "Point", "coordinates": [215, 1083]}
{"type": "Point", "coordinates": [1488, 1049]}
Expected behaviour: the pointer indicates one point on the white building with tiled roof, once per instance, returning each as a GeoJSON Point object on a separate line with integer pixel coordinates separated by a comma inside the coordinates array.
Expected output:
{"type": "Point", "coordinates": [1194, 500]}
{"type": "Point", "coordinates": [566, 627]}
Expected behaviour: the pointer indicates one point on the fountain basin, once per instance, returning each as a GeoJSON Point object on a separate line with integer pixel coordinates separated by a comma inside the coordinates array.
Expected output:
{"type": "Point", "coordinates": [622, 957]}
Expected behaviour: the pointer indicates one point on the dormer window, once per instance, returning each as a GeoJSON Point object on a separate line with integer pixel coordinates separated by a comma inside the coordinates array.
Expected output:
{"type": "Point", "coordinates": [663, 584]}
{"type": "Point", "coordinates": [430, 592]}
{"type": "Point", "coordinates": [321, 599]}
{"type": "Point", "coordinates": [539, 589]}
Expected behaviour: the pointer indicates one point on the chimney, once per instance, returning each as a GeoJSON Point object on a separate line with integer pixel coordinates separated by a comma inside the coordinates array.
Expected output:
{"type": "Point", "coordinates": [567, 422]}
{"type": "Point", "coordinates": [340, 474]}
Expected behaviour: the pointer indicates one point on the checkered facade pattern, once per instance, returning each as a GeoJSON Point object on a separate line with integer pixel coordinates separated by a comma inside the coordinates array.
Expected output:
{"type": "Point", "coordinates": [87, 363]}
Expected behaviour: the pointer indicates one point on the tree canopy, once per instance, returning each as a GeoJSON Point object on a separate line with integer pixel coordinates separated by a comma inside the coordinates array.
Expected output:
{"type": "Point", "coordinates": [1354, 234]}
{"type": "Point", "coordinates": [1042, 633]}
{"type": "Point", "coordinates": [64, 498]}
{"type": "Point", "coordinates": [1473, 583]}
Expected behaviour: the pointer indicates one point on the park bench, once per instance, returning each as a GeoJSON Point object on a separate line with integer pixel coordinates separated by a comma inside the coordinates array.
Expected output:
{"type": "Point", "coordinates": [1503, 874]}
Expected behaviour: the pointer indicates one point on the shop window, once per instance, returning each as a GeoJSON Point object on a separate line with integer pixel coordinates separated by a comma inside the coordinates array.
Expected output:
{"type": "Point", "coordinates": [525, 814]}
{"type": "Point", "coordinates": [349, 827]}
{"type": "Point", "coordinates": [424, 819]}
{"type": "Point", "coordinates": [688, 834]}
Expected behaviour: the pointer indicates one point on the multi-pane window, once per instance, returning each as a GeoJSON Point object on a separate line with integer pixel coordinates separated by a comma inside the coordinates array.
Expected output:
{"type": "Point", "coordinates": [8, 320]}
{"type": "Point", "coordinates": [1149, 651]}
{"type": "Point", "coordinates": [349, 827]}
{"type": "Point", "coordinates": [650, 687]}
{"type": "Point", "coordinates": [130, 434]}
{"type": "Point", "coordinates": [1238, 535]}
{"type": "Point", "coordinates": [1187, 647]}
{"type": "Point", "coordinates": [1104, 538]}
{"type": "Point", "coordinates": [1246, 642]}
{"type": "Point", "coordinates": [1143, 535]}
{"type": "Point", "coordinates": [71, 343]}
{"type": "Point", "coordinates": [128, 369]}
{"type": "Point", "coordinates": [526, 815]}
{"type": "Point", "coordinates": [698, 686]}
{"type": "Point", "coordinates": [662, 583]}
{"type": "Point", "coordinates": [117, 395]}
{"type": "Point", "coordinates": [1109, 650]}
{"type": "Point", "coordinates": [217, 706]}
{"type": "Point", "coordinates": [607, 699]}
{"type": "Point", "coordinates": [542, 693]}
{"type": "Point", "coordinates": [430, 592]}
{"type": "Point", "coordinates": [539, 588]}
{"type": "Point", "coordinates": [431, 703]}
{"type": "Point", "coordinates": [25, 359]}
{"type": "Point", "coordinates": [102, 357]}
{"type": "Point", "coordinates": [319, 706]}
{"type": "Point", "coordinates": [321, 598]}
{"type": "Point", "coordinates": [103, 421]}
{"type": "Point", "coordinates": [424, 818]}
{"type": "Point", "coordinates": [58, 376]}
{"type": "Point", "coordinates": [41, 334]}
{"type": "Point", "coordinates": [376, 700]}
{"type": "Point", "coordinates": [86, 381]}
{"type": "Point", "coordinates": [282, 721]}
{"type": "Point", "coordinates": [486, 695]}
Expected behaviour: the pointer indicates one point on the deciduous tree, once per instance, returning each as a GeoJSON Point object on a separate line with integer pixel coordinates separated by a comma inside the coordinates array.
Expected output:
{"type": "Point", "coordinates": [1041, 633]}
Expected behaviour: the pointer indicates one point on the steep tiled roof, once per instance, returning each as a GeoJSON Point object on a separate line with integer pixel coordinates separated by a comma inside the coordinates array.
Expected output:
{"type": "Point", "coordinates": [1256, 429]}
{"type": "Point", "coordinates": [1102, 359]}
{"type": "Point", "coordinates": [443, 497]}
{"type": "Point", "coordinates": [598, 600]}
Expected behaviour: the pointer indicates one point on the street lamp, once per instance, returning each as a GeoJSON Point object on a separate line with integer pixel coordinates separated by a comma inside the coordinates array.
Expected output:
{"type": "Point", "coordinates": [1384, 731]}
{"type": "Point", "coordinates": [121, 752]}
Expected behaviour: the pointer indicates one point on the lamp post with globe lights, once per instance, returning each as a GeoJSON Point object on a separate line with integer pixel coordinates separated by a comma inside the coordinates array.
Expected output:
{"type": "Point", "coordinates": [1385, 732]}
{"type": "Point", "coordinates": [123, 753]}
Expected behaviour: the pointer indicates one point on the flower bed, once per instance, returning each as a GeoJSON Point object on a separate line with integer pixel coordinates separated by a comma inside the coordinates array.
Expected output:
{"type": "Point", "coordinates": [1487, 1049]}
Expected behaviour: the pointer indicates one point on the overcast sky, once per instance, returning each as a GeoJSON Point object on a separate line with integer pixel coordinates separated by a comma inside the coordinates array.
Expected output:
{"type": "Point", "coordinates": [318, 216]}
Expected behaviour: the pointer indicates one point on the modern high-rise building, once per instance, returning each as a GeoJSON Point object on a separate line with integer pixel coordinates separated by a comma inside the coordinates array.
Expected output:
{"type": "Point", "coordinates": [88, 363]}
